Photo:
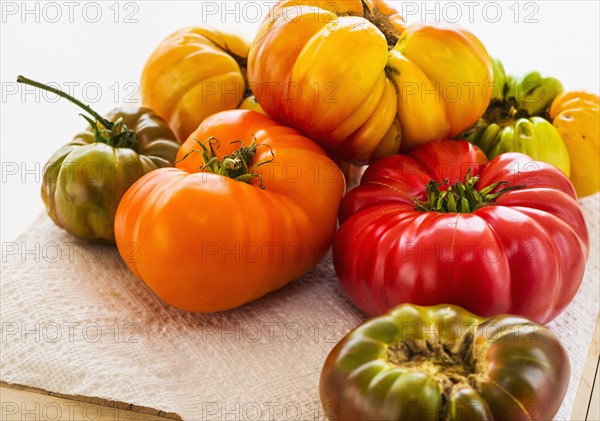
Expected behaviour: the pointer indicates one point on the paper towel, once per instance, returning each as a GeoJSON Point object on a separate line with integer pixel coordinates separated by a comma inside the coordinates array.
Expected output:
{"type": "Point", "coordinates": [75, 321]}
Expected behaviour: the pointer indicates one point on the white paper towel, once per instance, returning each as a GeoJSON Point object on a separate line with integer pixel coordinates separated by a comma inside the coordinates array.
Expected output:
{"type": "Point", "coordinates": [76, 321]}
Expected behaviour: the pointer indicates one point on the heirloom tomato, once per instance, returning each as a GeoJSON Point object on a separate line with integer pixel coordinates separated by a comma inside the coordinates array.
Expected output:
{"type": "Point", "coordinates": [353, 76]}
{"type": "Point", "coordinates": [515, 119]}
{"type": "Point", "coordinates": [193, 73]}
{"type": "Point", "coordinates": [441, 225]}
{"type": "Point", "coordinates": [251, 206]}
{"type": "Point", "coordinates": [576, 116]}
{"type": "Point", "coordinates": [444, 363]}
{"type": "Point", "coordinates": [86, 178]}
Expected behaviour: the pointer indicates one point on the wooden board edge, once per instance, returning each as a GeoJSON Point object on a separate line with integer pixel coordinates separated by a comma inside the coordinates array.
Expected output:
{"type": "Point", "coordinates": [19, 401]}
{"type": "Point", "coordinates": [586, 406]}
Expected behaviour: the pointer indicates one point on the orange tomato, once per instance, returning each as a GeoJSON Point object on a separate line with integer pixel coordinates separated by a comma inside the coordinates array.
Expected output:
{"type": "Point", "coordinates": [203, 241]}
{"type": "Point", "coordinates": [193, 73]}
{"type": "Point", "coordinates": [357, 79]}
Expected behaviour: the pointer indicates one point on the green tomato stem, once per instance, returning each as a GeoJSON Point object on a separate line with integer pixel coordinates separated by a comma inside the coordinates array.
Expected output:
{"type": "Point", "coordinates": [236, 166]}
{"type": "Point", "coordinates": [460, 197]}
{"type": "Point", "coordinates": [107, 124]}
{"type": "Point", "coordinates": [113, 133]}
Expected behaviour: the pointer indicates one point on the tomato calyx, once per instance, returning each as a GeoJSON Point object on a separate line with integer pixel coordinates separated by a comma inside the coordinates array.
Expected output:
{"type": "Point", "coordinates": [460, 197]}
{"type": "Point", "coordinates": [452, 365]}
{"type": "Point", "coordinates": [112, 133]}
{"type": "Point", "coordinates": [527, 97]}
{"type": "Point", "coordinates": [504, 114]}
{"type": "Point", "coordinates": [237, 166]}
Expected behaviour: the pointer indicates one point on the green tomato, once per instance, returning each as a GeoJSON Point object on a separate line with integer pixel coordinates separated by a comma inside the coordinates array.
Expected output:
{"type": "Point", "coordinates": [85, 179]}
{"type": "Point", "coordinates": [444, 363]}
{"type": "Point", "coordinates": [534, 136]}
{"type": "Point", "coordinates": [516, 119]}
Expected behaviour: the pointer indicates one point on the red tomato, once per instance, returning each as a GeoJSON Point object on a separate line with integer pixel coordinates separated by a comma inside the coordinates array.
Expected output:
{"type": "Point", "coordinates": [501, 237]}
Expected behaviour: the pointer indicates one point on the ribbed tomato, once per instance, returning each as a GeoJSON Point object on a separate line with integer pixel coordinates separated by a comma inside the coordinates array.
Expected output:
{"type": "Point", "coordinates": [357, 79]}
{"type": "Point", "coordinates": [251, 206]}
{"type": "Point", "coordinates": [444, 363]}
{"type": "Point", "coordinates": [441, 225]}
{"type": "Point", "coordinates": [193, 73]}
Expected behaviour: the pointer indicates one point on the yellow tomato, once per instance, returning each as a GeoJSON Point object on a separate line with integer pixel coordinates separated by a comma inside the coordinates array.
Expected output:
{"type": "Point", "coordinates": [354, 77]}
{"type": "Point", "coordinates": [193, 73]}
{"type": "Point", "coordinates": [250, 103]}
{"type": "Point", "coordinates": [576, 116]}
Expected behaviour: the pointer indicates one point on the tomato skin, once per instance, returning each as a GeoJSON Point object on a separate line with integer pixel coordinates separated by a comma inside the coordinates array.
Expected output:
{"type": "Point", "coordinates": [209, 243]}
{"type": "Point", "coordinates": [473, 368]}
{"type": "Point", "coordinates": [576, 116]}
{"type": "Point", "coordinates": [193, 73]}
{"type": "Point", "coordinates": [364, 91]}
{"type": "Point", "coordinates": [523, 253]}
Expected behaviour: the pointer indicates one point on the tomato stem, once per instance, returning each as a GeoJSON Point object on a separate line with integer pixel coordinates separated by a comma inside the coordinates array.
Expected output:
{"type": "Point", "coordinates": [460, 197]}
{"type": "Point", "coordinates": [112, 133]}
{"type": "Point", "coordinates": [372, 13]}
{"type": "Point", "coordinates": [235, 166]}
{"type": "Point", "coordinates": [56, 91]}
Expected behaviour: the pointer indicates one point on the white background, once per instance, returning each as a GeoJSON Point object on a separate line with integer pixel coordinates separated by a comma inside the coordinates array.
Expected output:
{"type": "Point", "coordinates": [91, 45]}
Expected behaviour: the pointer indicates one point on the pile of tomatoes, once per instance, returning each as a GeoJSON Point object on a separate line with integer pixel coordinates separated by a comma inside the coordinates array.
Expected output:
{"type": "Point", "coordinates": [226, 185]}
